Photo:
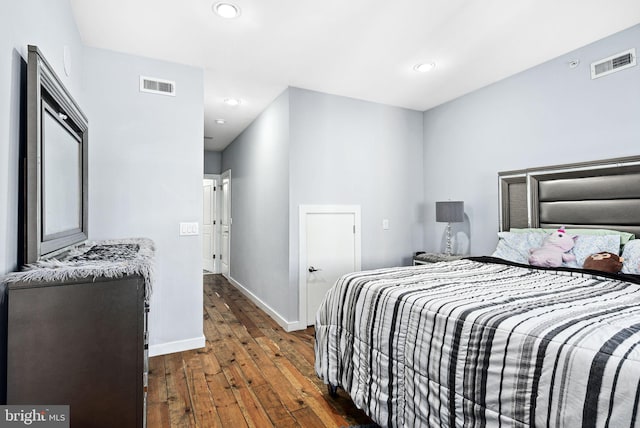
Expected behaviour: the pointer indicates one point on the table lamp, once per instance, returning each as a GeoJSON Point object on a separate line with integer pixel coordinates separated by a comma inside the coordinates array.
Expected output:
{"type": "Point", "coordinates": [449, 212]}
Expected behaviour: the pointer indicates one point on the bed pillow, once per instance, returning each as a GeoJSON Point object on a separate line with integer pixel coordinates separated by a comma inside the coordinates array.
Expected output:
{"type": "Point", "coordinates": [592, 244]}
{"type": "Point", "coordinates": [631, 255]}
{"type": "Point", "coordinates": [624, 236]}
{"type": "Point", "coordinates": [515, 246]}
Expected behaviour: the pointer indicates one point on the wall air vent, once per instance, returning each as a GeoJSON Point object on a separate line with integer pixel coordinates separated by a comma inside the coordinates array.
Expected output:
{"type": "Point", "coordinates": [157, 86]}
{"type": "Point", "coordinates": [613, 63]}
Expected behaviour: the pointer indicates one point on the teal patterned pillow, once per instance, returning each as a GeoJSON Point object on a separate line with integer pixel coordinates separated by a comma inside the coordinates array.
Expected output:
{"type": "Point", "coordinates": [631, 255]}
{"type": "Point", "coordinates": [515, 246]}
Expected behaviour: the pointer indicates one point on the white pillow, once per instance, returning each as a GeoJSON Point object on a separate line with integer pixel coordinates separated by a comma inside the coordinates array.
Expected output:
{"type": "Point", "coordinates": [593, 244]}
{"type": "Point", "coordinates": [631, 255]}
{"type": "Point", "coordinates": [515, 246]}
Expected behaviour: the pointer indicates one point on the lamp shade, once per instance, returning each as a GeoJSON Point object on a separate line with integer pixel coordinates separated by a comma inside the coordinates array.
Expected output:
{"type": "Point", "coordinates": [450, 212]}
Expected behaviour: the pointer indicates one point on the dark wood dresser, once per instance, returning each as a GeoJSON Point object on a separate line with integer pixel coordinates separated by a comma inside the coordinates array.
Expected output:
{"type": "Point", "coordinates": [80, 342]}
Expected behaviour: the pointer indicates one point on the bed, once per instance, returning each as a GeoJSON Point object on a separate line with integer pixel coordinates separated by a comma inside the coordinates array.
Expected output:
{"type": "Point", "coordinates": [486, 341]}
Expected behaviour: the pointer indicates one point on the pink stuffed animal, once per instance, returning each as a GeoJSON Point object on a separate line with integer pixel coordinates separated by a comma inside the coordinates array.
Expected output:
{"type": "Point", "coordinates": [554, 250]}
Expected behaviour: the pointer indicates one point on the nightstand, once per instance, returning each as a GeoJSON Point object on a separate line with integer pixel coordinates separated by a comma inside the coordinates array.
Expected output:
{"type": "Point", "coordinates": [421, 258]}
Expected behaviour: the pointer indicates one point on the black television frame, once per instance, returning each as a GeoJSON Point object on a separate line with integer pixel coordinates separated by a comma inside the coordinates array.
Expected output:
{"type": "Point", "coordinates": [47, 93]}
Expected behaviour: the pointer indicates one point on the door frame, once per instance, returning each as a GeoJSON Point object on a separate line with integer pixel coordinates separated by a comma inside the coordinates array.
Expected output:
{"type": "Point", "coordinates": [226, 175]}
{"type": "Point", "coordinates": [216, 216]}
{"type": "Point", "coordinates": [302, 249]}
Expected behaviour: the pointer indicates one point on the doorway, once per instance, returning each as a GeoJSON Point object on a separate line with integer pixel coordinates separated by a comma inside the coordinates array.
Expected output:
{"type": "Point", "coordinates": [210, 224]}
{"type": "Point", "coordinates": [330, 246]}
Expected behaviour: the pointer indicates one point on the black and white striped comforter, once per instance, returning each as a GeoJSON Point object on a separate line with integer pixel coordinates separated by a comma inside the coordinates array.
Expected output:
{"type": "Point", "coordinates": [473, 344]}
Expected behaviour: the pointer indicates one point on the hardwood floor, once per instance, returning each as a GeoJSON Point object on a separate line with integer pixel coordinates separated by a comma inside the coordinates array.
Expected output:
{"type": "Point", "coordinates": [251, 374]}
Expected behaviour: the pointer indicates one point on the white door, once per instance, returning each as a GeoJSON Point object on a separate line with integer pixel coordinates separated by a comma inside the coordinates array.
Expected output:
{"type": "Point", "coordinates": [332, 249]}
{"type": "Point", "coordinates": [225, 222]}
{"type": "Point", "coordinates": [210, 229]}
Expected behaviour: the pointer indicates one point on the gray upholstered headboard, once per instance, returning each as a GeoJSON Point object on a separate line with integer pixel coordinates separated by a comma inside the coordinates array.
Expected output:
{"type": "Point", "coordinates": [599, 195]}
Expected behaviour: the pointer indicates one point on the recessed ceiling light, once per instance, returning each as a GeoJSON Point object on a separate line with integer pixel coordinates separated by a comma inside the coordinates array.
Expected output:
{"type": "Point", "coordinates": [233, 102]}
{"type": "Point", "coordinates": [226, 10]}
{"type": "Point", "coordinates": [220, 121]}
{"type": "Point", "coordinates": [423, 68]}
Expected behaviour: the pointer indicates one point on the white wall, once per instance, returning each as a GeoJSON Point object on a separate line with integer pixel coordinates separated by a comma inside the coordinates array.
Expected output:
{"type": "Point", "coordinates": [212, 162]}
{"type": "Point", "coordinates": [259, 163]}
{"type": "Point", "coordinates": [547, 115]}
{"type": "Point", "coordinates": [145, 177]}
{"type": "Point", "coordinates": [348, 151]}
{"type": "Point", "coordinates": [49, 24]}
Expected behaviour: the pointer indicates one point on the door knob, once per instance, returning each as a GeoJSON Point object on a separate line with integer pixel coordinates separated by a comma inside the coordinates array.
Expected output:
{"type": "Point", "coordinates": [312, 269]}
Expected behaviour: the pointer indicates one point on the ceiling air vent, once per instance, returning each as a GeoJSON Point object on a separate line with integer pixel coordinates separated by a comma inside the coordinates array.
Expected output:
{"type": "Point", "coordinates": [157, 86]}
{"type": "Point", "coordinates": [614, 63]}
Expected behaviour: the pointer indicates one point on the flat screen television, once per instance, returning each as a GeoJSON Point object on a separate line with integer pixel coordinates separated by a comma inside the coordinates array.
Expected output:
{"type": "Point", "coordinates": [56, 170]}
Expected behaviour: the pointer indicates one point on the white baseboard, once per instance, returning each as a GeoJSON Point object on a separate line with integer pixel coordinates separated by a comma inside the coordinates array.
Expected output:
{"type": "Point", "coordinates": [177, 346]}
{"type": "Point", "coordinates": [286, 325]}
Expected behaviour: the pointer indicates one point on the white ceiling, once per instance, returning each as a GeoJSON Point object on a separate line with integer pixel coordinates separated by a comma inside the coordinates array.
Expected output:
{"type": "Point", "coordinates": [364, 49]}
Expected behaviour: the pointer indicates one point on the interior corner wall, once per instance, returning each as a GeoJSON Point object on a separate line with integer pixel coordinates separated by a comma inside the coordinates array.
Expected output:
{"type": "Point", "coordinates": [259, 162]}
{"type": "Point", "coordinates": [313, 148]}
{"type": "Point", "coordinates": [145, 177]}
{"type": "Point", "coordinates": [212, 162]}
{"type": "Point", "coordinates": [349, 151]}
{"type": "Point", "coordinates": [550, 114]}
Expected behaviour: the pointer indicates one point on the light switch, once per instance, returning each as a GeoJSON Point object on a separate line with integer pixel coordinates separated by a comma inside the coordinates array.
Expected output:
{"type": "Point", "coordinates": [187, 229]}
{"type": "Point", "coordinates": [385, 224]}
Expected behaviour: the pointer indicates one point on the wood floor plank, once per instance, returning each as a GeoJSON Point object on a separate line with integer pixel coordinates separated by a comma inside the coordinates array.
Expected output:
{"type": "Point", "coordinates": [225, 402]}
{"type": "Point", "coordinates": [242, 315]}
{"type": "Point", "coordinates": [210, 365]}
{"type": "Point", "coordinates": [158, 415]}
{"type": "Point", "coordinates": [157, 404]}
{"type": "Point", "coordinates": [251, 373]}
{"type": "Point", "coordinates": [289, 395]}
{"type": "Point", "coordinates": [308, 419]}
{"type": "Point", "coordinates": [309, 391]}
{"type": "Point", "coordinates": [277, 412]}
{"type": "Point", "coordinates": [199, 393]}
{"type": "Point", "coordinates": [157, 381]}
{"type": "Point", "coordinates": [294, 351]}
{"type": "Point", "coordinates": [242, 389]}
{"type": "Point", "coordinates": [180, 413]}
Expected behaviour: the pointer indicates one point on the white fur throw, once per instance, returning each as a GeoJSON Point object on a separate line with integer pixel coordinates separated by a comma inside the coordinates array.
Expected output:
{"type": "Point", "coordinates": [110, 258]}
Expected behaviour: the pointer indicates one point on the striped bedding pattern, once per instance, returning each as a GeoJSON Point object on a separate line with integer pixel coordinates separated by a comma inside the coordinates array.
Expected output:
{"type": "Point", "coordinates": [478, 343]}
